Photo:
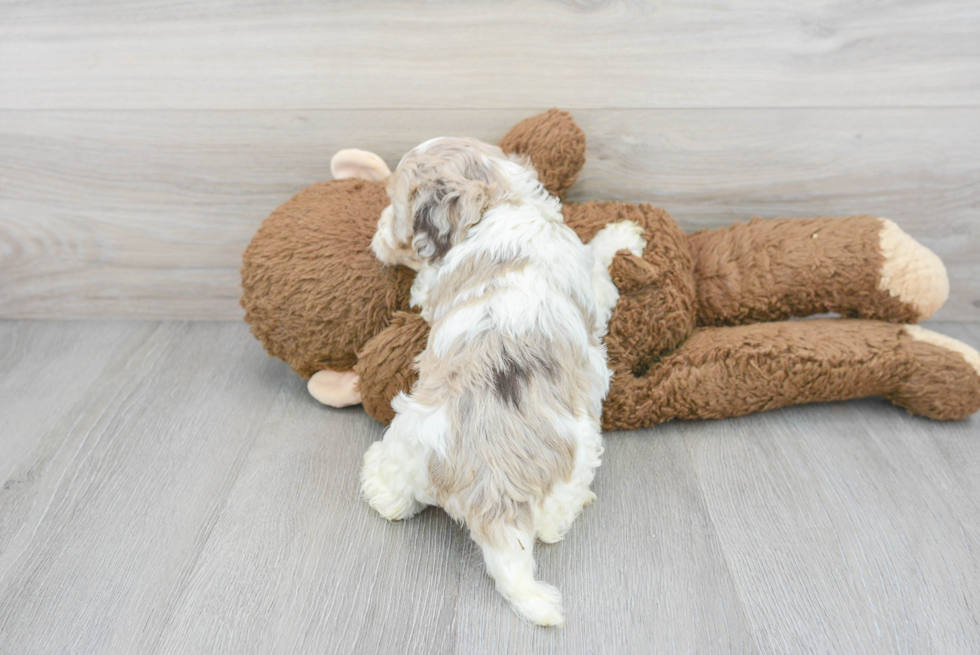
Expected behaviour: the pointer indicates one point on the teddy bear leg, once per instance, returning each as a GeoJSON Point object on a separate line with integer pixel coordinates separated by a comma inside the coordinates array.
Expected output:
{"type": "Point", "coordinates": [858, 267]}
{"type": "Point", "coordinates": [651, 274]}
{"type": "Point", "coordinates": [731, 371]}
{"type": "Point", "coordinates": [945, 380]}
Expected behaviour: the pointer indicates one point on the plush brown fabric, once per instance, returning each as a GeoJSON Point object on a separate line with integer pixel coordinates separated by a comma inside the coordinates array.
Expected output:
{"type": "Point", "coordinates": [939, 385]}
{"type": "Point", "coordinates": [317, 298]}
{"type": "Point", "coordinates": [312, 290]}
{"type": "Point", "coordinates": [555, 144]}
{"type": "Point", "coordinates": [772, 270]}
{"type": "Point", "coordinates": [655, 312]}
{"type": "Point", "coordinates": [730, 371]}
{"type": "Point", "coordinates": [386, 364]}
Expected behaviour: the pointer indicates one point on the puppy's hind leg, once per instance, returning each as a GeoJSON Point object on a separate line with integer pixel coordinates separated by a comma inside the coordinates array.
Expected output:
{"type": "Point", "coordinates": [510, 562]}
{"type": "Point", "coordinates": [560, 510]}
{"type": "Point", "coordinates": [387, 484]}
{"type": "Point", "coordinates": [394, 473]}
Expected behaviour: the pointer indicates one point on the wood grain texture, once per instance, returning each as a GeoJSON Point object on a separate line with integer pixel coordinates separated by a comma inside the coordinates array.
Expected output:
{"type": "Point", "coordinates": [145, 214]}
{"type": "Point", "coordinates": [297, 562]}
{"type": "Point", "coordinates": [106, 516]}
{"type": "Point", "coordinates": [123, 54]}
{"type": "Point", "coordinates": [36, 388]}
{"type": "Point", "coordinates": [834, 533]}
{"type": "Point", "coordinates": [168, 489]}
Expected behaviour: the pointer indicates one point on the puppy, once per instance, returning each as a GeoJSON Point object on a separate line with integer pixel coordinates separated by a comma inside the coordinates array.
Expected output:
{"type": "Point", "coordinates": [502, 427]}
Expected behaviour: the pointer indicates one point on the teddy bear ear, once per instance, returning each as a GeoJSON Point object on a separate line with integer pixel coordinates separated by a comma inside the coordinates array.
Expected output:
{"type": "Point", "coordinates": [555, 144]}
{"type": "Point", "coordinates": [359, 163]}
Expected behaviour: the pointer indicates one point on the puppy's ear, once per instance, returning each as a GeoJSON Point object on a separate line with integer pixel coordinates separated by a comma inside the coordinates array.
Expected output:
{"type": "Point", "coordinates": [443, 210]}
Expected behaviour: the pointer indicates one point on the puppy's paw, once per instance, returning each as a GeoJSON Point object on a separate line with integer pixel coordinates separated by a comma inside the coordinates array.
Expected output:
{"type": "Point", "coordinates": [540, 604]}
{"type": "Point", "coordinates": [377, 484]}
{"type": "Point", "coordinates": [623, 235]}
{"type": "Point", "coordinates": [551, 533]}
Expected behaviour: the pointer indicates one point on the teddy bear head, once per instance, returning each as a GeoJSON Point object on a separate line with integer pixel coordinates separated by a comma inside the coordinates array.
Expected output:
{"type": "Point", "coordinates": [312, 290]}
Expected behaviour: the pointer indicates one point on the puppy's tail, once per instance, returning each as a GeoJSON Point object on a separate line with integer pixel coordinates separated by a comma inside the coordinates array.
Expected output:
{"type": "Point", "coordinates": [510, 562]}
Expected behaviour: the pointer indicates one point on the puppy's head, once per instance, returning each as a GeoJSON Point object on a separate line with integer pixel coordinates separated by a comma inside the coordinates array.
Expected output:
{"type": "Point", "coordinates": [439, 190]}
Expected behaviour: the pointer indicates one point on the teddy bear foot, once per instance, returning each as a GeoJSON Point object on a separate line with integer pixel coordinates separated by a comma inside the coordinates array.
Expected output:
{"type": "Point", "coordinates": [911, 272]}
{"type": "Point", "coordinates": [945, 382]}
{"type": "Point", "coordinates": [335, 388]}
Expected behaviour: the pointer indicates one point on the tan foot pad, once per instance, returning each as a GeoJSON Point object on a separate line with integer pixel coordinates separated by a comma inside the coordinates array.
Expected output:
{"type": "Point", "coordinates": [911, 272]}
{"type": "Point", "coordinates": [971, 356]}
{"type": "Point", "coordinates": [334, 388]}
{"type": "Point", "coordinates": [945, 382]}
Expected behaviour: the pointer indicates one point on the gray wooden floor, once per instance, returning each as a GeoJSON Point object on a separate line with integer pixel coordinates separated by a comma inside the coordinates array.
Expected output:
{"type": "Point", "coordinates": [167, 488]}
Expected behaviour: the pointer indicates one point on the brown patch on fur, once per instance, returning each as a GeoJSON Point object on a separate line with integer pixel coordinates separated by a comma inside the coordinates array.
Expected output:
{"type": "Point", "coordinates": [425, 225]}
{"type": "Point", "coordinates": [775, 269]}
{"type": "Point", "coordinates": [509, 382]}
{"type": "Point", "coordinates": [504, 450]}
{"type": "Point", "coordinates": [442, 190]}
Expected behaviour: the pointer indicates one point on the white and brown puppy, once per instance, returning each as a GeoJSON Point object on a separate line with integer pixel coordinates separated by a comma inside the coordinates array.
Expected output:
{"type": "Point", "coordinates": [502, 427]}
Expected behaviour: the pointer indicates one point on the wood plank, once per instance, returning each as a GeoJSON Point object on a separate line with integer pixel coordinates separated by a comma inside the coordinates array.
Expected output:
{"type": "Point", "coordinates": [298, 562]}
{"type": "Point", "coordinates": [837, 539]}
{"type": "Point", "coordinates": [105, 519]}
{"type": "Point", "coordinates": [45, 373]}
{"type": "Point", "coordinates": [145, 214]}
{"type": "Point", "coordinates": [389, 54]}
{"type": "Point", "coordinates": [189, 497]}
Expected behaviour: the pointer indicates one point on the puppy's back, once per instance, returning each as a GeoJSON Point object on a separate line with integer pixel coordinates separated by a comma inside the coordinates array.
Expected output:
{"type": "Point", "coordinates": [514, 407]}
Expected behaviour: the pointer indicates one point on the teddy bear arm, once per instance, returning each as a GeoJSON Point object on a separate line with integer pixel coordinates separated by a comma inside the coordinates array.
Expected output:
{"type": "Point", "coordinates": [857, 266]}
{"type": "Point", "coordinates": [720, 372]}
{"type": "Point", "coordinates": [655, 309]}
{"type": "Point", "coordinates": [386, 363]}
{"type": "Point", "coordinates": [555, 145]}
{"type": "Point", "coordinates": [652, 315]}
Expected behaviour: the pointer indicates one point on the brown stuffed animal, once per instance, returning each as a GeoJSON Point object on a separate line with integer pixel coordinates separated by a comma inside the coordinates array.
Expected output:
{"type": "Point", "coordinates": [700, 329]}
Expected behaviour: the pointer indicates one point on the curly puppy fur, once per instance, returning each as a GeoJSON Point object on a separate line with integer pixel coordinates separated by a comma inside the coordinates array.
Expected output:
{"type": "Point", "coordinates": [502, 427]}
